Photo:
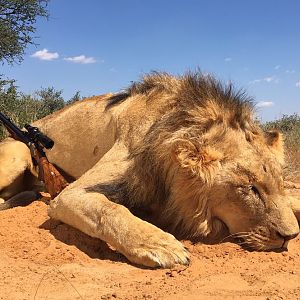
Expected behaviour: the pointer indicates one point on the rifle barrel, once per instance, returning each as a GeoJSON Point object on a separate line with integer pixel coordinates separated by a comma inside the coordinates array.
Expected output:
{"type": "Point", "coordinates": [14, 130]}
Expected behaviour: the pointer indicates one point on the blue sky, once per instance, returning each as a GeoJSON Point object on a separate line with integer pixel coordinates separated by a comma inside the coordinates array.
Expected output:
{"type": "Point", "coordinates": [101, 46]}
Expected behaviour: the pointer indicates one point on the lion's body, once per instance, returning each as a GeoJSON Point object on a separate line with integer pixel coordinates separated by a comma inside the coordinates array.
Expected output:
{"type": "Point", "coordinates": [181, 150]}
{"type": "Point", "coordinates": [84, 138]}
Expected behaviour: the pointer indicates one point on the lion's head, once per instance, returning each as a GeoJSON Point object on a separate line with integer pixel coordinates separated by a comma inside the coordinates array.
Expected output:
{"type": "Point", "coordinates": [207, 163]}
{"type": "Point", "coordinates": [241, 181]}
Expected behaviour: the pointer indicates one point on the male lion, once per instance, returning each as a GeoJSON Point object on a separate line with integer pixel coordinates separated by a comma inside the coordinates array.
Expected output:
{"type": "Point", "coordinates": [183, 152]}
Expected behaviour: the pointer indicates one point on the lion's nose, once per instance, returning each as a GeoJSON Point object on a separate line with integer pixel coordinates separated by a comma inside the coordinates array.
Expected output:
{"type": "Point", "coordinates": [287, 237]}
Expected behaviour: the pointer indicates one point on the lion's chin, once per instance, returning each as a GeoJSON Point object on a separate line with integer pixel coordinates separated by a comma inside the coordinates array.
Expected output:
{"type": "Point", "coordinates": [278, 246]}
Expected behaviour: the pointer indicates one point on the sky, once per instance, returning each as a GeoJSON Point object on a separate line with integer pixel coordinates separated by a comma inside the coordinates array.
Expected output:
{"type": "Point", "coordinates": [101, 46]}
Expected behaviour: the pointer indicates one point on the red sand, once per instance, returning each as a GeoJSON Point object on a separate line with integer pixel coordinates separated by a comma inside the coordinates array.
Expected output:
{"type": "Point", "coordinates": [43, 259]}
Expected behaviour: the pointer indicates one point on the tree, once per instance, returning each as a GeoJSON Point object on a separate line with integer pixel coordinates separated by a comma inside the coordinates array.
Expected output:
{"type": "Point", "coordinates": [8, 101]}
{"type": "Point", "coordinates": [23, 108]}
{"type": "Point", "coordinates": [17, 25]}
{"type": "Point", "coordinates": [50, 101]}
{"type": "Point", "coordinates": [75, 98]}
{"type": "Point", "coordinates": [8, 96]}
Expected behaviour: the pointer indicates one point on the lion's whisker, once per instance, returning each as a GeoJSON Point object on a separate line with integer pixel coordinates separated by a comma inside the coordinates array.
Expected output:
{"type": "Point", "coordinates": [260, 237]}
{"type": "Point", "coordinates": [233, 235]}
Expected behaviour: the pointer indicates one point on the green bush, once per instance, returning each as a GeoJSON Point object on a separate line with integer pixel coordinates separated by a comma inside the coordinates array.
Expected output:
{"type": "Point", "coordinates": [23, 109]}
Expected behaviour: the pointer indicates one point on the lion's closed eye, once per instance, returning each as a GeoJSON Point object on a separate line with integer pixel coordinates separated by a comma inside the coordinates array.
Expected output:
{"type": "Point", "coordinates": [249, 190]}
{"type": "Point", "coordinates": [255, 191]}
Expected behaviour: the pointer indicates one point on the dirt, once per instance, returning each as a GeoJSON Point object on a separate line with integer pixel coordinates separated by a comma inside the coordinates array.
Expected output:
{"type": "Point", "coordinates": [44, 259]}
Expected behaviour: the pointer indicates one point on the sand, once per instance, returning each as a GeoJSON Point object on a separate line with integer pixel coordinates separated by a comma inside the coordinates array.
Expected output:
{"type": "Point", "coordinates": [44, 259]}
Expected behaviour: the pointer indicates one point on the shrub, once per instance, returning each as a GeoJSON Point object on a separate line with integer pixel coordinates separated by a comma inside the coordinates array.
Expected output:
{"type": "Point", "coordinates": [22, 108]}
{"type": "Point", "coordinates": [289, 125]}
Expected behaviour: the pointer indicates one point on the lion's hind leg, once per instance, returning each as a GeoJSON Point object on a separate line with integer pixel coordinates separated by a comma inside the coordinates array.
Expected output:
{"type": "Point", "coordinates": [21, 199]}
{"type": "Point", "coordinates": [15, 159]}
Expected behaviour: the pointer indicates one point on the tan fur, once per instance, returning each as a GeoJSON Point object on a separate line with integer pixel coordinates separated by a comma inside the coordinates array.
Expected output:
{"type": "Point", "coordinates": [14, 160]}
{"type": "Point", "coordinates": [181, 152]}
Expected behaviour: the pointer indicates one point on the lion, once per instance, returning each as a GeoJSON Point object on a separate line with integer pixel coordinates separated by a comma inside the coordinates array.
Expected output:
{"type": "Point", "coordinates": [170, 156]}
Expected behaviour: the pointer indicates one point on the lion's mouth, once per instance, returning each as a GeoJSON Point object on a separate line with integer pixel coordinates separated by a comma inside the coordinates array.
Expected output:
{"type": "Point", "coordinates": [252, 242]}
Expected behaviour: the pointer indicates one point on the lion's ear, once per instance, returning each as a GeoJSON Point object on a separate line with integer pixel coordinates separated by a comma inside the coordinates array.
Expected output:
{"type": "Point", "coordinates": [202, 162]}
{"type": "Point", "coordinates": [274, 140]}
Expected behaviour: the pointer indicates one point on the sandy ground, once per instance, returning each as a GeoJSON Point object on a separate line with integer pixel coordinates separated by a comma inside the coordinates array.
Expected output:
{"type": "Point", "coordinates": [43, 259]}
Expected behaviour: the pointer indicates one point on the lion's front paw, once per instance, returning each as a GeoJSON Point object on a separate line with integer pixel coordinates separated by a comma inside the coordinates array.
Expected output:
{"type": "Point", "coordinates": [156, 249]}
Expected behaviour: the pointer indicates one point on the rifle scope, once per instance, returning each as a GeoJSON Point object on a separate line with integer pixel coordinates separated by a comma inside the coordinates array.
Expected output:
{"type": "Point", "coordinates": [37, 136]}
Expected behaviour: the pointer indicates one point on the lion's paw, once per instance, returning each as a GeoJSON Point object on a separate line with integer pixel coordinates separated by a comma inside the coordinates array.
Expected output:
{"type": "Point", "coordinates": [159, 249]}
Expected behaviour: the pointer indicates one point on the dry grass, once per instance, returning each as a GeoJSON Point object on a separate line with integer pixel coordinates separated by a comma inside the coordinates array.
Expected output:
{"type": "Point", "coordinates": [289, 125]}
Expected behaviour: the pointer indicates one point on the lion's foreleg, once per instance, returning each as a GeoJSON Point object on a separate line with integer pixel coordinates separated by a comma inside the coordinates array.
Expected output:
{"type": "Point", "coordinates": [141, 242]}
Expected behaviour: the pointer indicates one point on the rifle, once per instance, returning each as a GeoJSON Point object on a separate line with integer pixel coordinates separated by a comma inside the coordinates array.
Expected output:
{"type": "Point", "coordinates": [36, 141]}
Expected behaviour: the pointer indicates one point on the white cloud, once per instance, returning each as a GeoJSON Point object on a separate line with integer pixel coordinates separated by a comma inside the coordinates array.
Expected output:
{"type": "Point", "coordinates": [255, 81]}
{"type": "Point", "coordinates": [298, 84]}
{"type": "Point", "coordinates": [81, 59]}
{"type": "Point", "coordinates": [227, 59]}
{"type": "Point", "coordinates": [265, 104]}
{"type": "Point", "coordinates": [269, 79]}
{"type": "Point", "coordinates": [290, 71]}
{"type": "Point", "coordinates": [277, 67]}
{"type": "Point", "coordinates": [45, 55]}
{"type": "Point", "coordinates": [266, 79]}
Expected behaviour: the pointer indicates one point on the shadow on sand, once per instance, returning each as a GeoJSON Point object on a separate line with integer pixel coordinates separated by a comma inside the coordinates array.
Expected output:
{"type": "Point", "coordinates": [93, 247]}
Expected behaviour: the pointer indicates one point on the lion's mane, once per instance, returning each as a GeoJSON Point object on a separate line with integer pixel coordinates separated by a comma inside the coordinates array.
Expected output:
{"type": "Point", "coordinates": [200, 109]}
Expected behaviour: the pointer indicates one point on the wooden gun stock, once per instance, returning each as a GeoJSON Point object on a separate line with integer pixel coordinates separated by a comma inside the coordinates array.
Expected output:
{"type": "Point", "coordinates": [36, 141]}
{"type": "Point", "coordinates": [53, 180]}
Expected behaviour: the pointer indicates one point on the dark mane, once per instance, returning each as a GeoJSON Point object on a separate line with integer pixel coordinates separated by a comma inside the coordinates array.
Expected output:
{"type": "Point", "coordinates": [158, 81]}
{"type": "Point", "coordinates": [199, 89]}
{"type": "Point", "coordinates": [116, 99]}
{"type": "Point", "coordinates": [220, 102]}
{"type": "Point", "coordinates": [154, 81]}
{"type": "Point", "coordinates": [195, 90]}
